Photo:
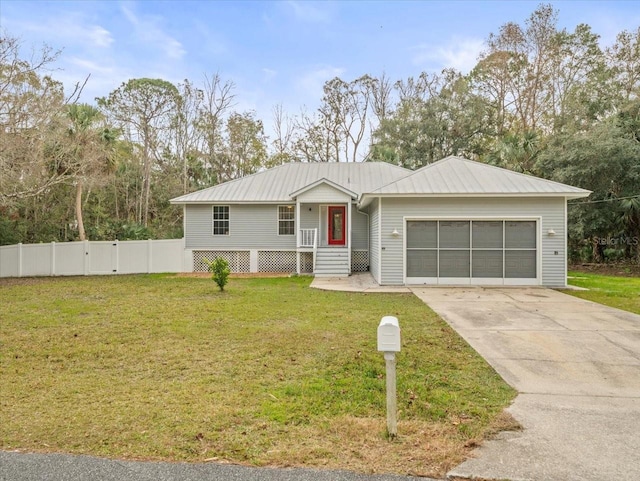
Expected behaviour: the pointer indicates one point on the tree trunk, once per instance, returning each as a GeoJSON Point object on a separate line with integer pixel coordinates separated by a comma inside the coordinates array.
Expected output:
{"type": "Point", "coordinates": [81, 233]}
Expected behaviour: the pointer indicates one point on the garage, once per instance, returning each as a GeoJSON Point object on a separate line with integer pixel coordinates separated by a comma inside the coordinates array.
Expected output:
{"type": "Point", "coordinates": [472, 251]}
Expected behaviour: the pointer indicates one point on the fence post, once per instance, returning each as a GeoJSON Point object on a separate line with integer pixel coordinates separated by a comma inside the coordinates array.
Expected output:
{"type": "Point", "coordinates": [87, 257]}
{"type": "Point", "coordinates": [53, 258]}
{"type": "Point", "coordinates": [117, 246]}
{"type": "Point", "coordinates": [20, 259]}
{"type": "Point", "coordinates": [149, 256]}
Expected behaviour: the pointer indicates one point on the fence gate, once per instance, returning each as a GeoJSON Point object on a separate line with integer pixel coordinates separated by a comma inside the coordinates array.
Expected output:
{"type": "Point", "coordinates": [103, 257]}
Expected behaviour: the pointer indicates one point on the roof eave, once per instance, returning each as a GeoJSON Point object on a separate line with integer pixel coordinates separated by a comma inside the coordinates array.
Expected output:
{"type": "Point", "coordinates": [568, 195]}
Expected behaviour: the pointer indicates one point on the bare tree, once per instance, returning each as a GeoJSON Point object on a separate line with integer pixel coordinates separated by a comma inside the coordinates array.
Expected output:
{"type": "Point", "coordinates": [145, 109]}
{"type": "Point", "coordinates": [218, 98]}
{"type": "Point", "coordinates": [283, 128]}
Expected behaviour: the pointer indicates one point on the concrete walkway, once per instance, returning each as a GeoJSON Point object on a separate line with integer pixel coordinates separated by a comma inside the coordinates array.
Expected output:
{"type": "Point", "coordinates": [576, 365]}
{"type": "Point", "coordinates": [360, 282]}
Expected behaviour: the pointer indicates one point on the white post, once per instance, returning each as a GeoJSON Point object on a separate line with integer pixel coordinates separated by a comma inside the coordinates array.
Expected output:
{"type": "Point", "coordinates": [298, 236]}
{"type": "Point", "coordinates": [392, 424]}
{"type": "Point", "coordinates": [149, 255]}
{"type": "Point", "coordinates": [116, 244]}
{"type": "Point", "coordinates": [348, 211]}
{"type": "Point", "coordinates": [389, 343]}
{"type": "Point", "coordinates": [53, 258]}
{"type": "Point", "coordinates": [87, 257]}
{"type": "Point", "coordinates": [20, 259]}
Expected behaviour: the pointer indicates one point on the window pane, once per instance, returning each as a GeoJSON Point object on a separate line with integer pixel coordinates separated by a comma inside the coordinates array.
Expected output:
{"type": "Point", "coordinates": [487, 234]}
{"type": "Point", "coordinates": [487, 263]}
{"type": "Point", "coordinates": [220, 220]}
{"type": "Point", "coordinates": [422, 263]}
{"type": "Point", "coordinates": [286, 227]}
{"type": "Point", "coordinates": [337, 220]}
{"type": "Point", "coordinates": [422, 234]}
{"type": "Point", "coordinates": [454, 234]}
{"type": "Point", "coordinates": [285, 212]}
{"type": "Point", "coordinates": [454, 263]}
{"type": "Point", "coordinates": [520, 264]}
{"type": "Point", "coordinates": [520, 234]}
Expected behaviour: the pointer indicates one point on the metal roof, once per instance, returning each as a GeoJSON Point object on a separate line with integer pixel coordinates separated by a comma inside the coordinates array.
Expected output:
{"type": "Point", "coordinates": [462, 177]}
{"type": "Point", "coordinates": [451, 176]}
{"type": "Point", "coordinates": [277, 184]}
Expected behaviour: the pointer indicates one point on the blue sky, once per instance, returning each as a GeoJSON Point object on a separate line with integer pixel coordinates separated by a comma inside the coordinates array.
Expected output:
{"type": "Point", "coordinates": [276, 52]}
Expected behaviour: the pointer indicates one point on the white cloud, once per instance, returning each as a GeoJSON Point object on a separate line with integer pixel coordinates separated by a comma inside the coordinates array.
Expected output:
{"type": "Point", "coordinates": [99, 36]}
{"type": "Point", "coordinates": [460, 54]}
{"type": "Point", "coordinates": [70, 28]}
{"type": "Point", "coordinates": [147, 30]}
{"type": "Point", "coordinates": [90, 66]}
{"type": "Point", "coordinates": [269, 74]}
{"type": "Point", "coordinates": [311, 83]}
{"type": "Point", "coordinates": [308, 11]}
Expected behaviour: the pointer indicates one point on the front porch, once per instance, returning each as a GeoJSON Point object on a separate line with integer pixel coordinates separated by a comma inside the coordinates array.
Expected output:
{"type": "Point", "coordinates": [328, 241]}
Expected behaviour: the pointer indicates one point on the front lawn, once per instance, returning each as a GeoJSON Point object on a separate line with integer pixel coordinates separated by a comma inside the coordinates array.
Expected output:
{"type": "Point", "coordinates": [620, 292]}
{"type": "Point", "coordinates": [270, 372]}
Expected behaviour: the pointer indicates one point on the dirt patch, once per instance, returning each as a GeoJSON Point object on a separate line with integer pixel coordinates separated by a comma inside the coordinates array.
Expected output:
{"type": "Point", "coordinates": [620, 270]}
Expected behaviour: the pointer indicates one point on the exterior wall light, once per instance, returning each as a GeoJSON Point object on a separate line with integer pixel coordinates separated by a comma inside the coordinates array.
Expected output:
{"type": "Point", "coordinates": [551, 232]}
{"type": "Point", "coordinates": [395, 233]}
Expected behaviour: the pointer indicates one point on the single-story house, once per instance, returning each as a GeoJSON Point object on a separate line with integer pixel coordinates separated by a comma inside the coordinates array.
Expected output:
{"type": "Point", "coordinates": [455, 221]}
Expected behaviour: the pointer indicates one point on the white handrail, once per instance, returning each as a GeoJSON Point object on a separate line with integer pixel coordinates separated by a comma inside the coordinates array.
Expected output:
{"type": "Point", "coordinates": [309, 238]}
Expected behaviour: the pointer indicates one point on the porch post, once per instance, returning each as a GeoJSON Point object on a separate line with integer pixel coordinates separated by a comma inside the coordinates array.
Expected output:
{"type": "Point", "coordinates": [298, 234]}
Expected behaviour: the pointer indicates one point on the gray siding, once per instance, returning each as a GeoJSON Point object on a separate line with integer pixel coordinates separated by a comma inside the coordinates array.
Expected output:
{"type": "Point", "coordinates": [250, 226]}
{"type": "Point", "coordinates": [359, 230]}
{"type": "Point", "coordinates": [309, 216]}
{"type": "Point", "coordinates": [374, 245]}
{"type": "Point", "coordinates": [324, 193]}
{"type": "Point", "coordinates": [551, 211]}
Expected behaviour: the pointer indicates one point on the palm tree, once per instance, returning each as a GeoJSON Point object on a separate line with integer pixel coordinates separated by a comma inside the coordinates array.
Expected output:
{"type": "Point", "coordinates": [89, 147]}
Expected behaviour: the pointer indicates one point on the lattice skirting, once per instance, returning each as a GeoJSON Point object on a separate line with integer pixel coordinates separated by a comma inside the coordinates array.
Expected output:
{"type": "Point", "coordinates": [306, 262]}
{"type": "Point", "coordinates": [272, 261]}
{"type": "Point", "coordinates": [359, 261]}
{"type": "Point", "coordinates": [276, 261]}
{"type": "Point", "coordinates": [239, 261]}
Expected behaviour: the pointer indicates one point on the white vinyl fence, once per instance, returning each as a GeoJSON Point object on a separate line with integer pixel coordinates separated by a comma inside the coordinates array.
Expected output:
{"type": "Point", "coordinates": [94, 258]}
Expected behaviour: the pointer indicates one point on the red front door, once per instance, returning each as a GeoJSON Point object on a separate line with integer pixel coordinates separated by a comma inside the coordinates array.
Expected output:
{"type": "Point", "coordinates": [337, 225]}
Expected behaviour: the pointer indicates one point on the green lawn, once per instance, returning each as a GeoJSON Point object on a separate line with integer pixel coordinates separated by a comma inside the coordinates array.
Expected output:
{"type": "Point", "coordinates": [270, 372]}
{"type": "Point", "coordinates": [620, 292]}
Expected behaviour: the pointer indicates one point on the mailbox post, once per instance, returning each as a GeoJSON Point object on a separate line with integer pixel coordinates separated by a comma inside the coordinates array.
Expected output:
{"type": "Point", "coordinates": [389, 343]}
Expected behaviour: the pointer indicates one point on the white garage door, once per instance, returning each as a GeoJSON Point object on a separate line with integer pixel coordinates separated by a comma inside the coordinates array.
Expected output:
{"type": "Point", "coordinates": [471, 252]}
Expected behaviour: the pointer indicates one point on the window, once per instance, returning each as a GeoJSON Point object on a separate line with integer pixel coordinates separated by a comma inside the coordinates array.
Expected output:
{"type": "Point", "coordinates": [220, 220]}
{"type": "Point", "coordinates": [286, 220]}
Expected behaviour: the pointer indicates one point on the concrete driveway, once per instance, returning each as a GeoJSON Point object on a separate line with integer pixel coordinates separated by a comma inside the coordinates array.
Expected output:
{"type": "Point", "coordinates": [576, 365]}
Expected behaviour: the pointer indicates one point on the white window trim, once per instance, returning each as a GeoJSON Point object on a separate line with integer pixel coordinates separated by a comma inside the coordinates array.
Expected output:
{"type": "Point", "coordinates": [213, 233]}
{"type": "Point", "coordinates": [278, 220]}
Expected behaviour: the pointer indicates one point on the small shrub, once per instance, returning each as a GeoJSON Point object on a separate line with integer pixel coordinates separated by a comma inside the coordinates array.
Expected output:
{"type": "Point", "coordinates": [220, 269]}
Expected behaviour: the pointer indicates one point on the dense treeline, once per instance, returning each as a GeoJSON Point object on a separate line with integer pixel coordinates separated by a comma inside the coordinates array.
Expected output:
{"type": "Point", "coordinates": [541, 100]}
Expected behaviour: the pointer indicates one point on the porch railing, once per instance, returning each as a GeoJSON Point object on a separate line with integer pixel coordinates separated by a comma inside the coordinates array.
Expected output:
{"type": "Point", "coordinates": [308, 238]}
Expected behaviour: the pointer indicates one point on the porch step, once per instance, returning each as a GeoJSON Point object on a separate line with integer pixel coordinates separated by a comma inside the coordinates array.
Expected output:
{"type": "Point", "coordinates": [332, 262]}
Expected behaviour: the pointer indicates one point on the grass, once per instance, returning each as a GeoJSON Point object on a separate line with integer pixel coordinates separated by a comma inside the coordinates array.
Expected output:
{"type": "Point", "coordinates": [269, 372]}
{"type": "Point", "coordinates": [620, 292]}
